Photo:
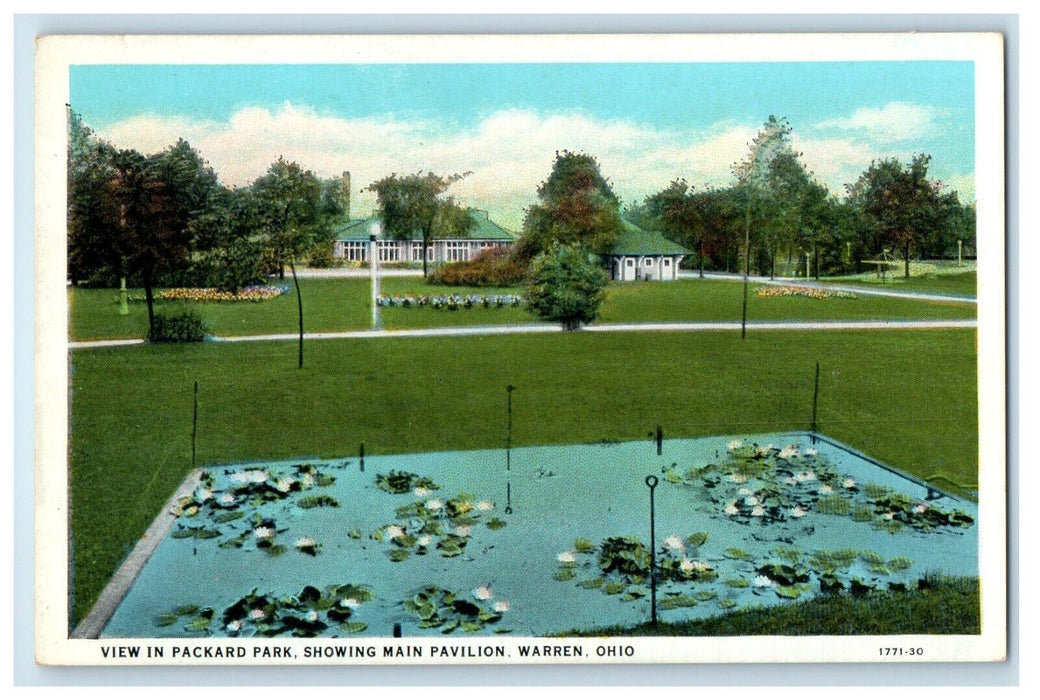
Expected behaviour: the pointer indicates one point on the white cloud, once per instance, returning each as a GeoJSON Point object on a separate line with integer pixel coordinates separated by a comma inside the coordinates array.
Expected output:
{"type": "Point", "coordinates": [509, 152]}
{"type": "Point", "coordinates": [896, 121]}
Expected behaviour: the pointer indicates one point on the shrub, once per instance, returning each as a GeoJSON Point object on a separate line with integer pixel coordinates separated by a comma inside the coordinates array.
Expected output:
{"type": "Point", "coordinates": [495, 267]}
{"type": "Point", "coordinates": [184, 327]}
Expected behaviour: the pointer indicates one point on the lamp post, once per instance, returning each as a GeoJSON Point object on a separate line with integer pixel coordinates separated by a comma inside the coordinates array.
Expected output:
{"type": "Point", "coordinates": [808, 255]}
{"type": "Point", "coordinates": [651, 482]}
{"type": "Point", "coordinates": [374, 231]}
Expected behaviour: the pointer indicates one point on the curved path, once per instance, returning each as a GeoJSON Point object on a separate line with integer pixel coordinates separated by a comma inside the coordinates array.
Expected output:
{"type": "Point", "coordinates": [555, 328]}
{"type": "Point", "coordinates": [856, 289]}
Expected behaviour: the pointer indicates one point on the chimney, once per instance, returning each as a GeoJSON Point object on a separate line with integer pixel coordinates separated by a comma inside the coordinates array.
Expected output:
{"type": "Point", "coordinates": [344, 193]}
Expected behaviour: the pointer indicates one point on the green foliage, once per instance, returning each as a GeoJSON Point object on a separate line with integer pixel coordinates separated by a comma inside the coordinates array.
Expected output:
{"type": "Point", "coordinates": [183, 327]}
{"type": "Point", "coordinates": [399, 482]}
{"type": "Point", "coordinates": [576, 206]}
{"type": "Point", "coordinates": [566, 285]}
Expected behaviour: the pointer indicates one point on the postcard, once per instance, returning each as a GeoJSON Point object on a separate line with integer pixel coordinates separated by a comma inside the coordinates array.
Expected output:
{"type": "Point", "coordinates": [560, 349]}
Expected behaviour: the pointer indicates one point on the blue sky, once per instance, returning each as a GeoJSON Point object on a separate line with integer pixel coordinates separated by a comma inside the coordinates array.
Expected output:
{"type": "Point", "coordinates": [646, 123]}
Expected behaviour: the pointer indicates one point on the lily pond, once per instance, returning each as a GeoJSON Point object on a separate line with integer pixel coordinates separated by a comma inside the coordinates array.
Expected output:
{"type": "Point", "coordinates": [555, 539]}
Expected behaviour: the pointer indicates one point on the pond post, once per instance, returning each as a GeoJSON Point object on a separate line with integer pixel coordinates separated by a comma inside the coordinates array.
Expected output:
{"type": "Point", "coordinates": [509, 499]}
{"type": "Point", "coordinates": [651, 481]}
{"type": "Point", "coordinates": [815, 397]}
{"type": "Point", "coordinates": [194, 422]}
{"type": "Point", "coordinates": [660, 438]}
{"type": "Point", "coordinates": [397, 629]}
{"type": "Point", "coordinates": [361, 455]}
{"type": "Point", "coordinates": [509, 423]}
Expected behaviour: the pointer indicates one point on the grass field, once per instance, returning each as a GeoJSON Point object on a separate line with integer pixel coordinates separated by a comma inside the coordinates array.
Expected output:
{"type": "Point", "coordinates": [907, 398]}
{"type": "Point", "coordinates": [964, 283]}
{"type": "Point", "coordinates": [344, 304]}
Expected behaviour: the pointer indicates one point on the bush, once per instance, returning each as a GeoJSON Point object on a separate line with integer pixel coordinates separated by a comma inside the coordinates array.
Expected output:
{"type": "Point", "coordinates": [566, 285]}
{"type": "Point", "coordinates": [184, 327]}
{"type": "Point", "coordinates": [495, 267]}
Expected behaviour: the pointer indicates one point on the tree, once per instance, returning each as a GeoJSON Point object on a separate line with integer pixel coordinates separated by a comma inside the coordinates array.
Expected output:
{"type": "Point", "coordinates": [772, 140]}
{"type": "Point", "coordinates": [577, 205]}
{"type": "Point", "coordinates": [566, 284]}
{"type": "Point", "coordinates": [900, 202]}
{"type": "Point", "coordinates": [416, 202]}
{"type": "Point", "coordinates": [93, 254]}
{"type": "Point", "coordinates": [289, 203]}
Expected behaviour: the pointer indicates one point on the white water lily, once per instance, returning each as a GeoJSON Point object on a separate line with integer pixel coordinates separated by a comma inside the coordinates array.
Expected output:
{"type": "Point", "coordinates": [263, 533]}
{"type": "Point", "coordinates": [502, 606]}
{"type": "Point", "coordinates": [284, 484]}
{"type": "Point", "coordinates": [308, 480]}
{"type": "Point", "coordinates": [737, 478]}
{"type": "Point", "coordinates": [674, 542]}
{"type": "Point", "coordinates": [788, 452]}
{"type": "Point", "coordinates": [764, 581]}
{"type": "Point", "coordinates": [305, 542]}
{"type": "Point", "coordinates": [485, 506]}
{"type": "Point", "coordinates": [751, 501]}
{"type": "Point", "coordinates": [191, 510]}
{"type": "Point", "coordinates": [312, 616]}
{"type": "Point", "coordinates": [421, 491]}
{"type": "Point", "coordinates": [764, 450]}
{"type": "Point", "coordinates": [257, 614]}
{"type": "Point", "coordinates": [351, 603]}
{"type": "Point", "coordinates": [464, 530]}
{"type": "Point", "coordinates": [888, 516]}
{"type": "Point", "coordinates": [425, 540]}
{"type": "Point", "coordinates": [798, 512]}
{"type": "Point", "coordinates": [234, 625]}
{"type": "Point", "coordinates": [745, 492]}
{"type": "Point", "coordinates": [227, 499]}
{"type": "Point", "coordinates": [686, 566]}
{"type": "Point", "coordinates": [434, 504]}
{"type": "Point", "coordinates": [849, 483]}
{"type": "Point", "coordinates": [758, 511]}
{"type": "Point", "coordinates": [804, 476]}
{"type": "Point", "coordinates": [204, 494]}
{"type": "Point", "coordinates": [565, 557]}
{"type": "Point", "coordinates": [483, 593]}
{"type": "Point", "coordinates": [825, 488]}
{"type": "Point", "coordinates": [920, 508]}
{"type": "Point", "coordinates": [811, 452]}
{"type": "Point", "coordinates": [734, 444]}
{"type": "Point", "coordinates": [394, 531]}
{"type": "Point", "coordinates": [731, 508]}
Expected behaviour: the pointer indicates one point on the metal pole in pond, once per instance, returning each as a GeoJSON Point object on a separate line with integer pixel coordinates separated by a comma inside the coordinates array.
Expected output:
{"type": "Point", "coordinates": [509, 424]}
{"type": "Point", "coordinates": [361, 454]}
{"type": "Point", "coordinates": [815, 397]}
{"type": "Point", "coordinates": [194, 422]}
{"type": "Point", "coordinates": [651, 481]}
{"type": "Point", "coordinates": [660, 438]}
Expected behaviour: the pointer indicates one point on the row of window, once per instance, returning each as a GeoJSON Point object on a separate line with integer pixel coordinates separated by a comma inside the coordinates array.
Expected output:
{"type": "Point", "coordinates": [648, 262]}
{"type": "Point", "coordinates": [390, 251]}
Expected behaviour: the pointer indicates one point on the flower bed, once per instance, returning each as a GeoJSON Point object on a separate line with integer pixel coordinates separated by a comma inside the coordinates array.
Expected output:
{"type": "Point", "coordinates": [260, 292]}
{"type": "Point", "coordinates": [452, 302]}
{"type": "Point", "coordinates": [807, 292]}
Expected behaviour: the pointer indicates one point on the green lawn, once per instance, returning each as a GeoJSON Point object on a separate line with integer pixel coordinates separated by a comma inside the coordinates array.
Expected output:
{"type": "Point", "coordinates": [963, 283]}
{"type": "Point", "coordinates": [344, 304]}
{"type": "Point", "coordinates": [905, 397]}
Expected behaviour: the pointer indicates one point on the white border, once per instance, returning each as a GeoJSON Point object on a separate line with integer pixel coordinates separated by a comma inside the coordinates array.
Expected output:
{"type": "Point", "coordinates": [56, 54]}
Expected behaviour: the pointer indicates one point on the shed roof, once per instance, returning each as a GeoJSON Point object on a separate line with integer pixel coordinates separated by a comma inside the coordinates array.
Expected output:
{"type": "Point", "coordinates": [635, 241]}
{"type": "Point", "coordinates": [483, 229]}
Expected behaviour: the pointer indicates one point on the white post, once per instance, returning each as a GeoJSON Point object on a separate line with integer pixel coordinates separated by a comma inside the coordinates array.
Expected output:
{"type": "Point", "coordinates": [960, 245]}
{"type": "Point", "coordinates": [374, 267]}
{"type": "Point", "coordinates": [807, 256]}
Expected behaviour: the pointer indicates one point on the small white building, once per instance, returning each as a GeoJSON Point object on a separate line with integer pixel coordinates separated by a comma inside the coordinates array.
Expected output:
{"type": "Point", "coordinates": [644, 255]}
{"type": "Point", "coordinates": [352, 241]}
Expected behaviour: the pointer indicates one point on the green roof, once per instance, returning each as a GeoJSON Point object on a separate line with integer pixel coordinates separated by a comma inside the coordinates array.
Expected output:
{"type": "Point", "coordinates": [635, 241]}
{"type": "Point", "coordinates": [483, 229]}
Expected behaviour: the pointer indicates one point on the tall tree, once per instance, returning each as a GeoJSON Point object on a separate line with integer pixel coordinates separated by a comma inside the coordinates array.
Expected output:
{"type": "Point", "coordinates": [289, 204]}
{"type": "Point", "coordinates": [771, 141]}
{"type": "Point", "coordinates": [576, 205]}
{"type": "Point", "coordinates": [900, 202]}
{"type": "Point", "coordinates": [93, 253]}
{"type": "Point", "coordinates": [417, 203]}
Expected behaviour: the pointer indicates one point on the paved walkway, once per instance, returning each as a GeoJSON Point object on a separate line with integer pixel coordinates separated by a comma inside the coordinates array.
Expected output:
{"type": "Point", "coordinates": [457, 331]}
{"type": "Point", "coordinates": [856, 289]}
